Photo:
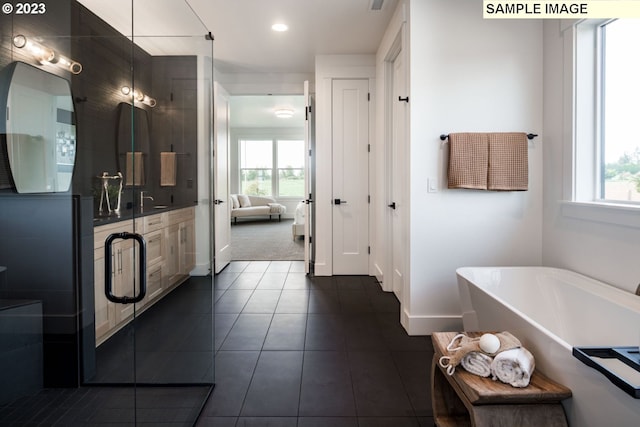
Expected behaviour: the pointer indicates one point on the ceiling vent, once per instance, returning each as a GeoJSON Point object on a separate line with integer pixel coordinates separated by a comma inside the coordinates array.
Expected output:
{"type": "Point", "coordinates": [376, 5]}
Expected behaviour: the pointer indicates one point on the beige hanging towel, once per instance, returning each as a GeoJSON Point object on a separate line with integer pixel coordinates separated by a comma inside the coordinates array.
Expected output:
{"type": "Point", "coordinates": [508, 161]}
{"type": "Point", "coordinates": [468, 160]}
{"type": "Point", "coordinates": [168, 169]}
{"type": "Point", "coordinates": [134, 168]}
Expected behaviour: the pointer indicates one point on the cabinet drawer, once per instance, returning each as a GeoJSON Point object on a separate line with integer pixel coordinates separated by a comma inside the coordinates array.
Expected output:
{"type": "Point", "coordinates": [154, 283]}
{"type": "Point", "coordinates": [101, 233]}
{"type": "Point", "coordinates": [155, 246]}
{"type": "Point", "coordinates": [181, 215]}
{"type": "Point", "coordinates": [153, 222]}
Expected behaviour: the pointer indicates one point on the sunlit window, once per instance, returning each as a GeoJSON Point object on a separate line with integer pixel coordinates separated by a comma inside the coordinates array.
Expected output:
{"type": "Point", "coordinates": [261, 160]}
{"type": "Point", "coordinates": [290, 168]}
{"type": "Point", "coordinates": [620, 112]}
{"type": "Point", "coordinates": [256, 167]}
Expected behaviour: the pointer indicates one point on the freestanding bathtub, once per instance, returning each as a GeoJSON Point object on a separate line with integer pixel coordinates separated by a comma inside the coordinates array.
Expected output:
{"type": "Point", "coordinates": [551, 311]}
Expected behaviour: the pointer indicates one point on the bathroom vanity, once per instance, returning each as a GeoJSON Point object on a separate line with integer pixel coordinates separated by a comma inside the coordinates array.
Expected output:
{"type": "Point", "coordinates": [170, 256]}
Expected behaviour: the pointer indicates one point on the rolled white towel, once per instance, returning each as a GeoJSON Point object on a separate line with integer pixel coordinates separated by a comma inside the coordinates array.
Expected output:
{"type": "Point", "coordinates": [513, 367]}
{"type": "Point", "coordinates": [477, 363]}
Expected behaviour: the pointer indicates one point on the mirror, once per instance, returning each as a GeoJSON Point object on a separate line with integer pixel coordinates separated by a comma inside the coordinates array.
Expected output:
{"type": "Point", "coordinates": [133, 143]}
{"type": "Point", "coordinates": [40, 129]}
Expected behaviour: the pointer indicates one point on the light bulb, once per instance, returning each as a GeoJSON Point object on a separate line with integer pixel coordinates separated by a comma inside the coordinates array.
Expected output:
{"type": "Point", "coordinates": [46, 55]}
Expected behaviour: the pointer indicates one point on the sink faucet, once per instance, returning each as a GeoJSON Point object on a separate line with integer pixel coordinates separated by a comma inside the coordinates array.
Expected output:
{"type": "Point", "coordinates": [142, 197]}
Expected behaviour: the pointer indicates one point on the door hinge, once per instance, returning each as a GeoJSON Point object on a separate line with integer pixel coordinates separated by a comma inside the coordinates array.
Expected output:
{"type": "Point", "coordinates": [369, 250]}
{"type": "Point", "coordinates": [368, 148]}
{"type": "Point", "coordinates": [171, 97]}
{"type": "Point", "coordinates": [309, 152]}
{"type": "Point", "coordinates": [369, 198]}
{"type": "Point", "coordinates": [310, 239]}
{"type": "Point", "coordinates": [368, 96]}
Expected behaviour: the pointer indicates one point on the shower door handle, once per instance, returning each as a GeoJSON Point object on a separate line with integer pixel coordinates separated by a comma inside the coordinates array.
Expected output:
{"type": "Point", "coordinates": [142, 268]}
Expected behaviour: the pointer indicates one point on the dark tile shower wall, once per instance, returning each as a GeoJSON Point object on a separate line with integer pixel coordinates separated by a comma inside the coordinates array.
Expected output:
{"type": "Point", "coordinates": [42, 239]}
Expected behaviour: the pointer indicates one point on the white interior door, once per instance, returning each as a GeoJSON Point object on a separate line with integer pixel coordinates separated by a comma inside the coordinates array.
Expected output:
{"type": "Point", "coordinates": [308, 135]}
{"type": "Point", "coordinates": [398, 157]}
{"type": "Point", "coordinates": [222, 210]}
{"type": "Point", "coordinates": [350, 187]}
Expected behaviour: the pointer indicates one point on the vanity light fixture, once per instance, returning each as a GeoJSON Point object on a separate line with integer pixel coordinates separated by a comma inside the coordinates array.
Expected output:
{"type": "Point", "coordinates": [284, 113]}
{"type": "Point", "coordinates": [138, 96]}
{"type": "Point", "coordinates": [46, 55]}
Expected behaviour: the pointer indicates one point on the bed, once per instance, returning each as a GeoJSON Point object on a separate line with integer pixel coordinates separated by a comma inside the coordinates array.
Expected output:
{"type": "Point", "coordinates": [297, 227]}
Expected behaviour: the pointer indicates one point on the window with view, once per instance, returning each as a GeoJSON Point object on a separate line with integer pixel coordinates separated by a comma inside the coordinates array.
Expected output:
{"type": "Point", "coordinates": [290, 168]}
{"type": "Point", "coordinates": [256, 167]}
{"type": "Point", "coordinates": [620, 112]}
{"type": "Point", "coordinates": [262, 160]}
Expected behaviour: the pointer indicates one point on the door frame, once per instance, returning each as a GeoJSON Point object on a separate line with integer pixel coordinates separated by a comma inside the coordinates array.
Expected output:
{"type": "Point", "coordinates": [220, 201]}
{"type": "Point", "coordinates": [329, 68]}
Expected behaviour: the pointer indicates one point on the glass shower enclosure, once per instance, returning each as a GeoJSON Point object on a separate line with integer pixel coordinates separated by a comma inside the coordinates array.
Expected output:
{"type": "Point", "coordinates": [106, 292]}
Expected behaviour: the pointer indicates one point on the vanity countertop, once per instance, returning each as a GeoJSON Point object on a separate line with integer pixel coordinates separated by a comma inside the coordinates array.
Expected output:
{"type": "Point", "coordinates": [130, 214]}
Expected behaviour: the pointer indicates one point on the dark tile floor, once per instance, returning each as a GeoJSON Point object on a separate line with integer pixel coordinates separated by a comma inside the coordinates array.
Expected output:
{"type": "Point", "coordinates": [322, 351]}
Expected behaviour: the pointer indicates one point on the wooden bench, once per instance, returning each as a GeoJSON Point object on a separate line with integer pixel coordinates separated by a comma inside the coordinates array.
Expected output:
{"type": "Point", "coordinates": [465, 399]}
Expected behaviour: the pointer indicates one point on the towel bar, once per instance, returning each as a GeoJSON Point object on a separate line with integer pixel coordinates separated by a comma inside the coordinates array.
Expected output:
{"type": "Point", "coordinates": [530, 136]}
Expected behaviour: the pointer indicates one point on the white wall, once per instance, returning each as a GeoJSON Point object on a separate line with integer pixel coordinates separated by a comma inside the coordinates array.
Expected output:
{"type": "Point", "coordinates": [264, 83]}
{"type": "Point", "coordinates": [468, 74]}
{"type": "Point", "coordinates": [594, 247]}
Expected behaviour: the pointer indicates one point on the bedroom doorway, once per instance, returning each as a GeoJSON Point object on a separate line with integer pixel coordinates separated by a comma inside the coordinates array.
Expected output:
{"type": "Point", "coordinates": [269, 177]}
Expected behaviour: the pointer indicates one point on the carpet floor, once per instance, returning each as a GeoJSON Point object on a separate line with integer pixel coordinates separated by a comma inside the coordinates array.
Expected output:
{"type": "Point", "coordinates": [265, 240]}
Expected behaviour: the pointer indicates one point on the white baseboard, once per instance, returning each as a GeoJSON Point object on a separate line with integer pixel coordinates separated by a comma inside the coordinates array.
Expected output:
{"type": "Point", "coordinates": [380, 277]}
{"type": "Point", "coordinates": [322, 269]}
{"type": "Point", "coordinates": [201, 270]}
{"type": "Point", "coordinates": [426, 325]}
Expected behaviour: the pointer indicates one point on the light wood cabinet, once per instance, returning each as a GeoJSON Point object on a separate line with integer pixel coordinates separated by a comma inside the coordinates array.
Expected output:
{"type": "Point", "coordinates": [170, 244]}
{"type": "Point", "coordinates": [107, 314]}
{"type": "Point", "coordinates": [180, 244]}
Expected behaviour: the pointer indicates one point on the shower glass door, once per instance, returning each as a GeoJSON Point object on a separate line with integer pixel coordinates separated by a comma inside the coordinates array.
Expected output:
{"type": "Point", "coordinates": [119, 264]}
{"type": "Point", "coordinates": [106, 294]}
{"type": "Point", "coordinates": [157, 326]}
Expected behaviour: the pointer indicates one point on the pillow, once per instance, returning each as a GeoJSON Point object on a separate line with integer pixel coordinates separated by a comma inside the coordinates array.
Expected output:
{"type": "Point", "coordinates": [244, 200]}
{"type": "Point", "coordinates": [235, 204]}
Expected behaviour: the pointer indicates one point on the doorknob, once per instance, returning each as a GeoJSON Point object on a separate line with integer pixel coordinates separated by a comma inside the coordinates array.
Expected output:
{"type": "Point", "coordinates": [392, 205]}
{"type": "Point", "coordinates": [218, 202]}
{"type": "Point", "coordinates": [339, 202]}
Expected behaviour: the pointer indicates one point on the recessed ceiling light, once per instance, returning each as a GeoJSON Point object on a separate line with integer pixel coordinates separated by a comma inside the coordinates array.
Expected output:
{"type": "Point", "coordinates": [280, 27]}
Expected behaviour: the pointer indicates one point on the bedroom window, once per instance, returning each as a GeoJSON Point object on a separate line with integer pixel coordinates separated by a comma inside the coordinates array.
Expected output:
{"type": "Point", "coordinates": [290, 168]}
{"type": "Point", "coordinates": [272, 167]}
{"type": "Point", "coordinates": [256, 167]}
{"type": "Point", "coordinates": [620, 110]}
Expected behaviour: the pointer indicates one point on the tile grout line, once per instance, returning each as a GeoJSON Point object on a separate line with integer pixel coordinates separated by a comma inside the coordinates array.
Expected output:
{"type": "Point", "coordinates": [304, 352]}
{"type": "Point", "coordinates": [246, 393]}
